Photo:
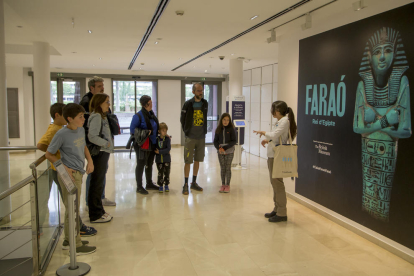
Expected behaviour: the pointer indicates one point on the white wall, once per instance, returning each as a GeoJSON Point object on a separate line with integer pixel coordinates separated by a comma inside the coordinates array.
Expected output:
{"type": "Point", "coordinates": [169, 107]}
{"type": "Point", "coordinates": [28, 107]}
{"type": "Point", "coordinates": [288, 87]}
{"type": "Point", "coordinates": [14, 79]}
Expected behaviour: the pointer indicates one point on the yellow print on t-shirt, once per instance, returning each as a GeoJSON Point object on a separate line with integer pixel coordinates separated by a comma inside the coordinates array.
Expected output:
{"type": "Point", "coordinates": [198, 118]}
{"type": "Point", "coordinates": [80, 142]}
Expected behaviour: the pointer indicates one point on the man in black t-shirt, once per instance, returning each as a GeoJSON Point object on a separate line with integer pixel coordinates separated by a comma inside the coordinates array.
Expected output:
{"type": "Point", "coordinates": [194, 124]}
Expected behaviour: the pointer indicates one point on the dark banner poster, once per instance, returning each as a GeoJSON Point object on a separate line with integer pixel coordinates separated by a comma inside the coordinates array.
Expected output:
{"type": "Point", "coordinates": [238, 112]}
{"type": "Point", "coordinates": [355, 143]}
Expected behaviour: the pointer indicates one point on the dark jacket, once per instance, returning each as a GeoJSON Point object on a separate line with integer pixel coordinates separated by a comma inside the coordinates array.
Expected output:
{"type": "Point", "coordinates": [86, 99]}
{"type": "Point", "coordinates": [230, 135]}
{"type": "Point", "coordinates": [164, 155]}
{"type": "Point", "coordinates": [187, 113]}
{"type": "Point", "coordinates": [138, 121]}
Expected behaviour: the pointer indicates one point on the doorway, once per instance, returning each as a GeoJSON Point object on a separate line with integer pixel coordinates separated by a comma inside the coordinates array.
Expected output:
{"type": "Point", "coordinates": [212, 93]}
{"type": "Point", "coordinates": [126, 95]}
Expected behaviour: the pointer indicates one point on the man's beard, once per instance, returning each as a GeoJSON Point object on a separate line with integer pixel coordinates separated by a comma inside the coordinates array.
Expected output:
{"type": "Point", "coordinates": [199, 97]}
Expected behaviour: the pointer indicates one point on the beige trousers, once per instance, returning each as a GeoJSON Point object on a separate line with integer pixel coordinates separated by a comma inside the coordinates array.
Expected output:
{"type": "Point", "coordinates": [279, 193]}
{"type": "Point", "coordinates": [78, 183]}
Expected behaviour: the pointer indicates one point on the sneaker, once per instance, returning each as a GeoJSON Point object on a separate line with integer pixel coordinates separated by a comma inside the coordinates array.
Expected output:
{"type": "Point", "coordinates": [161, 189]}
{"type": "Point", "coordinates": [167, 189]}
{"type": "Point", "coordinates": [271, 214]}
{"type": "Point", "coordinates": [194, 186]}
{"type": "Point", "coordinates": [103, 219]}
{"type": "Point", "coordinates": [87, 231]}
{"type": "Point", "coordinates": [276, 218]}
{"type": "Point", "coordinates": [65, 244]}
{"type": "Point", "coordinates": [227, 189]}
{"type": "Point", "coordinates": [185, 189]}
{"type": "Point", "coordinates": [222, 189]}
{"type": "Point", "coordinates": [85, 250]}
{"type": "Point", "coordinates": [152, 186]}
{"type": "Point", "coordinates": [107, 202]}
{"type": "Point", "coordinates": [142, 191]}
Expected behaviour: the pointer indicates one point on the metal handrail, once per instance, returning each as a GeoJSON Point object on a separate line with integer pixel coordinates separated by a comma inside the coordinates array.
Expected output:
{"type": "Point", "coordinates": [16, 187]}
{"type": "Point", "coordinates": [39, 161]}
{"type": "Point", "coordinates": [19, 148]}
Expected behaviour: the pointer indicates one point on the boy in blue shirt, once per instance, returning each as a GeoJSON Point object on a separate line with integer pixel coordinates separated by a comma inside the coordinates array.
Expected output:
{"type": "Point", "coordinates": [70, 142]}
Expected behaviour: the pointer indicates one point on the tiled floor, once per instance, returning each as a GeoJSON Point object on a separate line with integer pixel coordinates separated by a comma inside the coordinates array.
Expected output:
{"type": "Point", "coordinates": [208, 233]}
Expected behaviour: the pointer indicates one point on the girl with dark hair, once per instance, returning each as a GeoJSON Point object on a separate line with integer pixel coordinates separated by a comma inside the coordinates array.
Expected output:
{"type": "Point", "coordinates": [100, 135]}
{"type": "Point", "coordinates": [285, 123]}
{"type": "Point", "coordinates": [145, 119]}
{"type": "Point", "coordinates": [224, 141]}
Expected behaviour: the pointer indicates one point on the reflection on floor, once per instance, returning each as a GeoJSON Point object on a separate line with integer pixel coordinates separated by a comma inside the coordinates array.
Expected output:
{"type": "Point", "coordinates": [208, 233]}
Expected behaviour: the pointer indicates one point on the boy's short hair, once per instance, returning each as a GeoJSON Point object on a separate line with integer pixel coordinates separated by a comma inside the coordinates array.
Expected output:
{"type": "Point", "coordinates": [72, 110]}
{"type": "Point", "coordinates": [163, 126]}
{"type": "Point", "coordinates": [56, 108]}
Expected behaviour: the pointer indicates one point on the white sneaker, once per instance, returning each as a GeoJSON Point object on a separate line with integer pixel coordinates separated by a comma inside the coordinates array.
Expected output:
{"type": "Point", "coordinates": [107, 202]}
{"type": "Point", "coordinates": [105, 218]}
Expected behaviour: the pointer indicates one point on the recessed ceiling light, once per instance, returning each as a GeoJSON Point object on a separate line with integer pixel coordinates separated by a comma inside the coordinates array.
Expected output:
{"type": "Point", "coordinates": [232, 54]}
{"type": "Point", "coordinates": [100, 58]}
{"type": "Point", "coordinates": [156, 42]}
{"type": "Point", "coordinates": [20, 27]}
{"type": "Point", "coordinates": [254, 17]}
{"type": "Point", "coordinates": [205, 71]}
{"type": "Point", "coordinates": [90, 31]}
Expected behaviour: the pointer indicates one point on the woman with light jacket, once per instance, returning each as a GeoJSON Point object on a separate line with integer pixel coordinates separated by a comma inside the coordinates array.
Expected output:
{"type": "Point", "coordinates": [285, 123]}
{"type": "Point", "coordinates": [100, 135]}
{"type": "Point", "coordinates": [145, 119]}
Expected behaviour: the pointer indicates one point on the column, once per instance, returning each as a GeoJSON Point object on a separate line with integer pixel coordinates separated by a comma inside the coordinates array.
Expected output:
{"type": "Point", "coordinates": [235, 80]}
{"type": "Point", "coordinates": [41, 75]}
{"type": "Point", "coordinates": [235, 89]}
{"type": "Point", "coordinates": [5, 206]}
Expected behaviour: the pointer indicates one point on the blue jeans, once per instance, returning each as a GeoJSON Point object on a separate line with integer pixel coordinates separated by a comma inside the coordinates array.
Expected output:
{"type": "Point", "coordinates": [88, 184]}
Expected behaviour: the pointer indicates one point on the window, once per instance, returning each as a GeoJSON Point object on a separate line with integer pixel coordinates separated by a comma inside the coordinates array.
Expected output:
{"type": "Point", "coordinates": [126, 96]}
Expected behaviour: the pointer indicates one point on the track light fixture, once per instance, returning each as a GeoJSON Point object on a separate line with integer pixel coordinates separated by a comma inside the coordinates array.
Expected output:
{"type": "Point", "coordinates": [358, 5]}
{"type": "Point", "coordinates": [272, 37]}
{"type": "Point", "coordinates": [308, 22]}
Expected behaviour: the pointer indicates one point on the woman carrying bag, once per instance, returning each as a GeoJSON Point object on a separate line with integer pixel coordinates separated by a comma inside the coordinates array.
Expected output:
{"type": "Point", "coordinates": [101, 146]}
{"type": "Point", "coordinates": [145, 119]}
{"type": "Point", "coordinates": [285, 123]}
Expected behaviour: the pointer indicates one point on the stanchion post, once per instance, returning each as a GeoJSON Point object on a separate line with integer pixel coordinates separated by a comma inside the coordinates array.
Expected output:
{"type": "Point", "coordinates": [73, 268]}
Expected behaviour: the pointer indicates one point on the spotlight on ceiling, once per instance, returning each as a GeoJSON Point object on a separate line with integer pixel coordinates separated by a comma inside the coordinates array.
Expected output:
{"type": "Point", "coordinates": [254, 17]}
{"type": "Point", "coordinates": [358, 5]}
{"type": "Point", "coordinates": [156, 42]}
{"type": "Point", "coordinates": [308, 22]}
{"type": "Point", "coordinates": [90, 31]}
{"type": "Point", "coordinates": [272, 37]}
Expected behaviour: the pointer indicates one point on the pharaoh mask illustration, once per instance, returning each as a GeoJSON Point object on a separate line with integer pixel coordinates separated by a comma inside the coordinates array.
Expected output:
{"type": "Point", "coordinates": [198, 118]}
{"type": "Point", "coordinates": [382, 116]}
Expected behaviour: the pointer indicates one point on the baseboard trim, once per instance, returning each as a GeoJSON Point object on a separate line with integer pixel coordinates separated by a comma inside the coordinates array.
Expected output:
{"type": "Point", "coordinates": [368, 234]}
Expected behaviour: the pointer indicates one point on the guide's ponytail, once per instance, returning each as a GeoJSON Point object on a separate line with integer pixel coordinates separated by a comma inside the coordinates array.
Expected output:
{"type": "Point", "coordinates": [282, 107]}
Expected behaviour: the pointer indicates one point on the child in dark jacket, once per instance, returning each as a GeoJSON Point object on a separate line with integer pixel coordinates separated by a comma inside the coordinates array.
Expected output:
{"type": "Point", "coordinates": [224, 141]}
{"type": "Point", "coordinates": [163, 158]}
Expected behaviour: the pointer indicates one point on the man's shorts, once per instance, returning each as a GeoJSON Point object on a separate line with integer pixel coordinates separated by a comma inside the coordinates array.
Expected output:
{"type": "Point", "coordinates": [194, 150]}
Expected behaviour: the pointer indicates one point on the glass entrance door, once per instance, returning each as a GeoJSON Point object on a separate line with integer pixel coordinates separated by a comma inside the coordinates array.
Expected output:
{"type": "Point", "coordinates": [126, 95]}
